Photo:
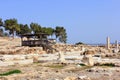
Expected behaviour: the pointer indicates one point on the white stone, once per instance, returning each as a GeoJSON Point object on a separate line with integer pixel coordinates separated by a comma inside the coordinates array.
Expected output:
{"type": "Point", "coordinates": [108, 43]}
{"type": "Point", "coordinates": [88, 60]}
{"type": "Point", "coordinates": [6, 63]}
{"type": "Point", "coordinates": [27, 61]}
{"type": "Point", "coordinates": [61, 57]}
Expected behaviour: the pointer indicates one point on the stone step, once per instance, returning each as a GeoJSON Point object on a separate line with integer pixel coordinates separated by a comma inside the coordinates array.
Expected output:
{"type": "Point", "coordinates": [15, 62]}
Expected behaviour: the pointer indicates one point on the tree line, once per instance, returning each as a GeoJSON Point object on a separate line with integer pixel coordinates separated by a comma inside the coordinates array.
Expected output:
{"type": "Point", "coordinates": [13, 27]}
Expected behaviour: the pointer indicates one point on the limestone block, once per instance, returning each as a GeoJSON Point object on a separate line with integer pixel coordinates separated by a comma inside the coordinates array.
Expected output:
{"type": "Point", "coordinates": [7, 57]}
{"type": "Point", "coordinates": [27, 61]}
{"type": "Point", "coordinates": [18, 57]}
{"type": "Point", "coordinates": [2, 63]}
{"type": "Point", "coordinates": [88, 60]}
{"type": "Point", "coordinates": [35, 58]}
{"type": "Point", "coordinates": [83, 78]}
{"type": "Point", "coordinates": [61, 57]}
{"type": "Point", "coordinates": [70, 78]}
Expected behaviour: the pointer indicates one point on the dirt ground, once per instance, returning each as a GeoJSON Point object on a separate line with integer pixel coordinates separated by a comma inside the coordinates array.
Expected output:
{"type": "Point", "coordinates": [51, 71]}
{"type": "Point", "coordinates": [48, 71]}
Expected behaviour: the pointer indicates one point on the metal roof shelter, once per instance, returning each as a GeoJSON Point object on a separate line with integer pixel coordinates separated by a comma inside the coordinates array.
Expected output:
{"type": "Point", "coordinates": [33, 40]}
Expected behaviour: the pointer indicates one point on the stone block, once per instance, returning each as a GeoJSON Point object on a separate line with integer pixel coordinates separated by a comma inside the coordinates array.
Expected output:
{"type": "Point", "coordinates": [88, 60]}
{"type": "Point", "coordinates": [8, 63]}
{"type": "Point", "coordinates": [26, 61]}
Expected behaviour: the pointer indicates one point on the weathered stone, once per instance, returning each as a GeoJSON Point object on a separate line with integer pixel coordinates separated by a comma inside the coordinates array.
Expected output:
{"type": "Point", "coordinates": [70, 78]}
{"type": "Point", "coordinates": [61, 57]}
{"type": "Point", "coordinates": [7, 57]}
{"type": "Point", "coordinates": [18, 57]}
{"type": "Point", "coordinates": [15, 60]}
{"type": "Point", "coordinates": [35, 58]}
{"type": "Point", "coordinates": [108, 43]}
{"type": "Point", "coordinates": [89, 52]}
{"type": "Point", "coordinates": [88, 60]}
{"type": "Point", "coordinates": [83, 78]}
{"type": "Point", "coordinates": [6, 63]}
{"type": "Point", "coordinates": [27, 61]}
{"type": "Point", "coordinates": [77, 78]}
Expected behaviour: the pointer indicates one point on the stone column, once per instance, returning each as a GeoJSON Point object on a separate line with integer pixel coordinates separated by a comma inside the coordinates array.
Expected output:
{"type": "Point", "coordinates": [116, 43]}
{"type": "Point", "coordinates": [83, 49]}
{"type": "Point", "coordinates": [61, 57]}
{"type": "Point", "coordinates": [116, 46]}
{"type": "Point", "coordinates": [108, 43]}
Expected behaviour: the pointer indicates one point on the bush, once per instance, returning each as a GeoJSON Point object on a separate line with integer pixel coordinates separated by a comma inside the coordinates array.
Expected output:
{"type": "Point", "coordinates": [108, 64]}
{"type": "Point", "coordinates": [10, 72]}
{"type": "Point", "coordinates": [105, 64]}
{"type": "Point", "coordinates": [79, 43]}
{"type": "Point", "coordinates": [82, 64]}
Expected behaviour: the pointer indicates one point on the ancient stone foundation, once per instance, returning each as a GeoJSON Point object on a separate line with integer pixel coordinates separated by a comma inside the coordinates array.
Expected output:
{"type": "Point", "coordinates": [6, 60]}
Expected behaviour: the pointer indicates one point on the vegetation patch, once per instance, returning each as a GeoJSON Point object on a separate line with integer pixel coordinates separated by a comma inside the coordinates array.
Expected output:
{"type": "Point", "coordinates": [81, 69]}
{"type": "Point", "coordinates": [10, 72]}
{"type": "Point", "coordinates": [106, 64]}
{"type": "Point", "coordinates": [79, 43]}
{"type": "Point", "coordinates": [56, 66]}
{"type": "Point", "coordinates": [82, 64]}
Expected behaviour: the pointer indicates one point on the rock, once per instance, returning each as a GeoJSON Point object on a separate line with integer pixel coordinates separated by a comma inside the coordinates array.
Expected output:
{"type": "Point", "coordinates": [89, 52]}
{"type": "Point", "coordinates": [117, 64]}
{"type": "Point", "coordinates": [35, 59]}
{"type": "Point", "coordinates": [70, 78]}
{"type": "Point", "coordinates": [27, 61]}
{"type": "Point", "coordinates": [88, 60]}
{"type": "Point", "coordinates": [77, 78]}
{"type": "Point", "coordinates": [61, 57]}
{"type": "Point", "coordinates": [83, 78]}
{"type": "Point", "coordinates": [6, 63]}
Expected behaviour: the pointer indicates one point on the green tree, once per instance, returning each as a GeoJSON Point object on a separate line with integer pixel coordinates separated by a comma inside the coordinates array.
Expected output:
{"type": "Point", "coordinates": [50, 31]}
{"type": "Point", "coordinates": [12, 26]}
{"type": "Point", "coordinates": [61, 34]}
{"type": "Point", "coordinates": [1, 23]}
{"type": "Point", "coordinates": [36, 28]}
{"type": "Point", "coordinates": [57, 31]}
{"type": "Point", "coordinates": [47, 30]}
{"type": "Point", "coordinates": [24, 29]}
{"type": "Point", "coordinates": [63, 37]}
{"type": "Point", "coordinates": [1, 30]}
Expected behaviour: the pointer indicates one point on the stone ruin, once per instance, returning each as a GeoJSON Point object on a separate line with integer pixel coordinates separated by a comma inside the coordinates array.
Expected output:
{"type": "Point", "coordinates": [87, 58]}
{"type": "Point", "coordinates": [61, 57]}
{"type": "Point", "coordinates": [6, 60]}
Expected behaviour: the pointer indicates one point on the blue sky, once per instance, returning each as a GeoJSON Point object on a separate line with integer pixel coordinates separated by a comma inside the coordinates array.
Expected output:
{"type": "Point", "coordinates": [89, 21]}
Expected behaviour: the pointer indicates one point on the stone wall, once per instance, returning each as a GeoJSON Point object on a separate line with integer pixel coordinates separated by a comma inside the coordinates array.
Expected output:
{"type": "Point", "coordinates": [6, 60]}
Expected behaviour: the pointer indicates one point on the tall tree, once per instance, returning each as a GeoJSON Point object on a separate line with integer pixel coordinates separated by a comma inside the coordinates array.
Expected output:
{"type": "Point", "coordinates": [61, 34]}
{"type": "Point", "coordinates": [24, 29]}
{"type": "Point", "coordinates": [1, 23]}
{"type": "Point", "coordinates": [50, 31]}
{"type": "Point", "coordinates": [1, 30]}
{"type": "Point", "coordinates": [36, 28]}
{"type": "Point", "coordinates": [12, 26]}
{"type": "Point", "coordinates": [63, 37]}
{"type": "Point", "coordinates": [57, 31]}
{"type": "Point", "coordinates": [47, 30]}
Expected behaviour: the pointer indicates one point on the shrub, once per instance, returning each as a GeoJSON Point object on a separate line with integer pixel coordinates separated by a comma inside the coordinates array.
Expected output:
{"type": "Point", "coordinates": [10, 72]}
{"type": "Point", "coordinates": [82, 64]}
{"type": "Point", "coordinates": [108, 64]}
{"type": "Point", "coordinates": [105, 64]}
{"type": "Point", "coordinates": [79, 43]}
